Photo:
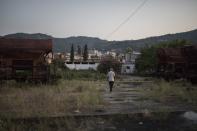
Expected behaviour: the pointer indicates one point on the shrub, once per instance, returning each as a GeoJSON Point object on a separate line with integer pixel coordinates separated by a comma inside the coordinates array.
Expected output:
{"type": "Point", "coordinates": [107, 63]}
{"type": "Point", "coordinates": [57, 69]}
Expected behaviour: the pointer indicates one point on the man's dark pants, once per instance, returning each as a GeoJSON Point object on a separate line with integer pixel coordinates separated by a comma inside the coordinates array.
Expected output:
{"type": "Point", "coordinates": [111, 83]}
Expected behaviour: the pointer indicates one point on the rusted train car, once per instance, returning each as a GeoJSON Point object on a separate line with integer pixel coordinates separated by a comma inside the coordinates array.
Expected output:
{"type": "Point", "coordinates": [24, 59]}
{"type": "Point", "coordinates": [178, 62]}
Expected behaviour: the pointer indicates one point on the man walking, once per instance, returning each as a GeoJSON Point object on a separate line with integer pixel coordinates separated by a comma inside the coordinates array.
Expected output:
{"type": "Point", "coordinates": [111, 77]}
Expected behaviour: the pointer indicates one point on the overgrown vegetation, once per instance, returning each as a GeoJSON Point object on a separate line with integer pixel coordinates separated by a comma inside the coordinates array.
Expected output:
{"type": "Point", "coordinates": [172, 92]}
{"type": "Point", "coordinates": [68, 96]}
{"type": "Point", "coordinates": [59, 70]}
{"type": "Point", "coordinates": [72, 92]}
{"type": "Point", "coordinates": [147, 62]}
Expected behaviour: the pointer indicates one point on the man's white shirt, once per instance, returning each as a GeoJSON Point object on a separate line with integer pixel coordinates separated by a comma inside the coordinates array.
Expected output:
{"type": "Point", "coordinates": [111, 76]}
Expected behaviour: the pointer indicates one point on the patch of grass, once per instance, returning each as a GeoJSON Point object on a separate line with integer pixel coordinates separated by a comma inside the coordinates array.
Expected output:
{"type": "Point", "coordinates": [59, 70]}
{"type": "Point", "coordinates": [49, 100]}
{"type": "Point", "coordinates": [79, 74]}
{"type": "Point", "coordinates": [84, 75]}
{"type": "Point", "coordinates": [177, 91]}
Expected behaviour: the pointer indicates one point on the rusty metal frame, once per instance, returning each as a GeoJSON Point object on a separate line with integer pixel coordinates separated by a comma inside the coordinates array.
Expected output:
{"type": "Point", "coordinates": [27, 47]}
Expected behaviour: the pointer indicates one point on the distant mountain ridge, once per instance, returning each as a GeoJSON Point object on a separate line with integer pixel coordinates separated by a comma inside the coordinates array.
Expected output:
{"type": "Point", "coordinates": [29, 36]}
{"type": "Point", "coordinates": [64, 44]}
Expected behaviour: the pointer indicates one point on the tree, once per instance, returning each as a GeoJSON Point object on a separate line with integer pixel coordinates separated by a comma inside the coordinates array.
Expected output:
{"type": "Point", "coordinates": [79, 50]}
{"type": "Point", "coordinates": [147, 61]}
{"type": "Point", "coordinates": [129, 50]}
{"type": "Point", "coordinates": [72, 54]}
{"type": "Point", "coordinates": [85, 53]}
{"type": "Point", "coordinates": [107, 63]}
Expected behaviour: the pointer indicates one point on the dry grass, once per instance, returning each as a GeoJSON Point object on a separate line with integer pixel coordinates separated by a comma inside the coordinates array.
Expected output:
{"type": "Point", "coordinates": [49, 100]}
{"type": "Point", "coordinates": [177, 91]}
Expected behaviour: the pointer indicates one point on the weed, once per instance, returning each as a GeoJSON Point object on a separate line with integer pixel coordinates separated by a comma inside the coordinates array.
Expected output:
{"type": "Point", "coordinates": [178, 91]}
{"type": "Point", "coordinates": [49, 100]}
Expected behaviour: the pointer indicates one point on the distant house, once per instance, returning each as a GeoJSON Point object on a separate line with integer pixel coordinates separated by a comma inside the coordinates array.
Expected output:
{"type": "Point", "coordinates": [82, 65]}
{"type": "Point", "coordinates": [94, 52]}
{"type": "Point", "coordinates": [94, 55]}
{"type": "Point", "coordinates": [128, 65]}
{"type": "Point", "coordinates": [112, 53]}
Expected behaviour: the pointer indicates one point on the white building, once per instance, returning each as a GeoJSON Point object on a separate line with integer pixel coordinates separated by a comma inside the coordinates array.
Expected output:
{"type": "Point", "coordinates": [112, 53]}
{"type": "Point", "coordinates": [128, 65]}
{"type": "Point", "coordinates": [94, 54]}
{"type": "Point", "coordinates": [82, 66]}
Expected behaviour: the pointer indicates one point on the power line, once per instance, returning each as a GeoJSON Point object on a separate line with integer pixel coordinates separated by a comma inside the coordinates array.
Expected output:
{"type": "Point", "coordinates": [127, 19]}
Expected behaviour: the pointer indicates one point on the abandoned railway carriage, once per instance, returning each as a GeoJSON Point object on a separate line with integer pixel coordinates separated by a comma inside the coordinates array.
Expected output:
{"type": "Point", "coordinates": [178, 62]}
{"type": "Point", "coordinates": [24, 59]}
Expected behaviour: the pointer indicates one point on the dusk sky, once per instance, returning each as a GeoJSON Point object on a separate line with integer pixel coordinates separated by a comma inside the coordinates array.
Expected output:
{"type": "Point", "coordinates": [97, 18]}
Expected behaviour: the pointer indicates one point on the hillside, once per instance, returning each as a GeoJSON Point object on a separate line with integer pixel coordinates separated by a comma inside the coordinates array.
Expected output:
{"type": "Point", "coordinates": [62, 44]}
{"type": "Point", "coordinates": [190, 36]}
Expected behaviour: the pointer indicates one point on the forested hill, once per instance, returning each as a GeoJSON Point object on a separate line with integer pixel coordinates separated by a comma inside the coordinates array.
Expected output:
{"type": "Point", "coordinates": [62, 44]}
